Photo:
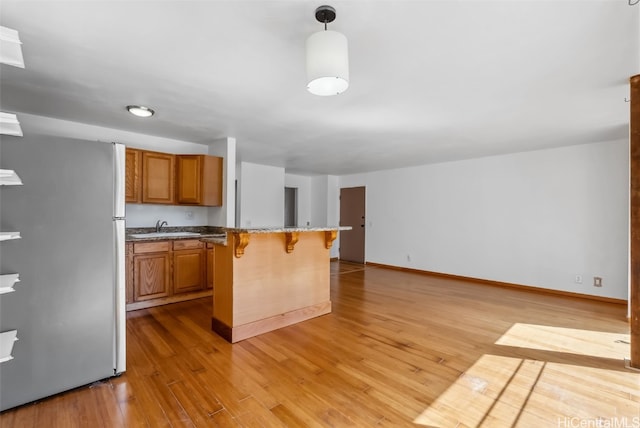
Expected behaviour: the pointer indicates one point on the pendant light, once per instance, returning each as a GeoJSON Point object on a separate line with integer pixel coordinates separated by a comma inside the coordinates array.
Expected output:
{"type": "Point", "coordinates": [327, 58]}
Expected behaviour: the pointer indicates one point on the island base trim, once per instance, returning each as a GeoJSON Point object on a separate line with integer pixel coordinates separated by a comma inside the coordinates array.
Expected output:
{"type": "Point", "coordinates": [245, 331]}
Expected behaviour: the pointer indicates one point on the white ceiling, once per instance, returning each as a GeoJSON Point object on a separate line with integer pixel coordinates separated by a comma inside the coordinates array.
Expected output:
{"type": "Point", "coordinates": [430, 80]}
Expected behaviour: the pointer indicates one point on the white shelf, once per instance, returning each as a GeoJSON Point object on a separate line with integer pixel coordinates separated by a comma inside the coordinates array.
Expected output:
{"type": "Point", "coordinates": [9, 124]}
{"type": "Point", "coordinates": [7, 282]}
{"type": "Point", "coordinates": [8, 177]}
{"type": "Point", "coordinates": [11, 48]}
{"type": "Point", "coordinates": [6, 236]}
{"type": "Point", "coordinates": [7, 339]}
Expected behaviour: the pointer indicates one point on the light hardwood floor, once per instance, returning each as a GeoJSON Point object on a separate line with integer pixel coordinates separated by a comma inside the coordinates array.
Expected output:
{"type": "Point", "coordinates": [399, 349]}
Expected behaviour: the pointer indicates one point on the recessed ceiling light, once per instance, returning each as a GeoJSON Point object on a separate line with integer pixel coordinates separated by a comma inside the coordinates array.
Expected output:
{"type": "Point", "coordinates": [140, 111]}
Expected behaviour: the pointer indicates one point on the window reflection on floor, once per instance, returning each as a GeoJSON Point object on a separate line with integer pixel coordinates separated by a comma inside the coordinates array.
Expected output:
{"type": "Point", "coordinates": [508, 391]}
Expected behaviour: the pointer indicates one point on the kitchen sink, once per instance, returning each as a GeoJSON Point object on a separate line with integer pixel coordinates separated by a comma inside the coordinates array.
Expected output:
{"type": "Point", "coordinates": [163, 234]}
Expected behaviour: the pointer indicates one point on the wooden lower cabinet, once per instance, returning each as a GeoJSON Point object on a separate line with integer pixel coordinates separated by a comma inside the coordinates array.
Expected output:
{"type": "Point", "coordinates": [128, 253]}
{"type": "Point", "coordinates": [188, 270]}
{"type": "Point", "coordinates": [161, 272]}
{"type": "Point", "coordinates": [151, 276]}
{"type": "Point", "coordinates": [210, 254]}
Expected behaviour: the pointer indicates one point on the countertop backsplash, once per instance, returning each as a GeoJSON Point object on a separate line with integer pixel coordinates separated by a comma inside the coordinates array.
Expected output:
{"type": "Point", "coordinates": [146, 215]}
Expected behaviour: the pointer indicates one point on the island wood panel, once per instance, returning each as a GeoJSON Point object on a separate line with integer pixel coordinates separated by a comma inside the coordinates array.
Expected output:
{"type": "Point", "coordinates": [269, 281]}
{"type": "Point", "coordinates": [223, 290]}
{"type": "Point", "coordinates": [267, 288]}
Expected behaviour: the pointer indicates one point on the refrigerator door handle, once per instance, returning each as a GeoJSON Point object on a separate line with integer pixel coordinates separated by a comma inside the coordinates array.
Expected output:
{"type": "Point", "coordinates": [120, 363]}
{"type": "Point", "coordinates": [119, 156]}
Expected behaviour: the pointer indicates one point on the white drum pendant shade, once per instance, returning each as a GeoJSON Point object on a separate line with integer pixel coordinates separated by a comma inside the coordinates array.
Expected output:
{"type": "Point", "coordinates": [327, 63]}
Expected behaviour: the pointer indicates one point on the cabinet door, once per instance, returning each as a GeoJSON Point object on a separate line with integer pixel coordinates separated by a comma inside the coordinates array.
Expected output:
{"type": "Point", "coordinates": [189, 177]}
{"type": "Point", "coordinates": [212, 181]}
{"type": "Point", "coordinates": [158, 172]}
{"type": "Point", "coordinates": [210, 267]}
{"type": "Point", "coordinates": [199, 180]}
{"type": "Point", "coordinates": [151, 276]}
{"type": "Point", "coordinates": [188, 270]}
{"type": "Point", "coordinates": [133, 176]}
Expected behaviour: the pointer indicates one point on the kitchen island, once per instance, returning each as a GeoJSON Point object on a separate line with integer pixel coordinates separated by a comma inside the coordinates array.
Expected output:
{"type": "Point", "coordinates": [268, 278]}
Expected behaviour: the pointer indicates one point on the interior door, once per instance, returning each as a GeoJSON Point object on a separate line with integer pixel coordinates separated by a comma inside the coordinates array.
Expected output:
{"type": "Point", "coordinates": [352, 213]}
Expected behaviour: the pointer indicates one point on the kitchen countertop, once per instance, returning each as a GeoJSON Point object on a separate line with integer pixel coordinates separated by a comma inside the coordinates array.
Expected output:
{"type": "Point", "coordinates": [285, 229]}
{"type": "Point", "coordinates": [212, 233]}
{"type": "Point", "coordinates": [218, 235]}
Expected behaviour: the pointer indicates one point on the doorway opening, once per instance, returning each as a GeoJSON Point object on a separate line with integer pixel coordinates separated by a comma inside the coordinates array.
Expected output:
{"type": "Point", "coordinates": [290, 206]}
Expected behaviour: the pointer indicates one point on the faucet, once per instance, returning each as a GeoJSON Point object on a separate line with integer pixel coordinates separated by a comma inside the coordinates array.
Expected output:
{"type": "Point", "coordinates": [159, 225]}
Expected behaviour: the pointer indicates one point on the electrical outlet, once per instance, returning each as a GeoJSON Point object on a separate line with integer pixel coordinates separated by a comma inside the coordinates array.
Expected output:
{"type": "Point", "coordinates": [578, 279]}
{"type": "Point", "coordinates": [189, 215]}
{"type": "Point", "coordinates": [597, 281]}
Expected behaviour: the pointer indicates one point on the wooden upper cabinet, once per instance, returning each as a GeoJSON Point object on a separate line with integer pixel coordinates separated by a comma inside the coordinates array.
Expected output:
{"type": "Point", "coordinates": [133, 187]}
{"type": "Point", "coordinates": [163, 178]}
{"type": "Point", "coordinates": [158, 178]}
{"type": "Point", "coordinates": [199, 180]}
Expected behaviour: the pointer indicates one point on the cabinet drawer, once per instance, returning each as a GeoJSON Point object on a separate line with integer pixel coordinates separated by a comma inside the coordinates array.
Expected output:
{"type": "Point", "coordinates": [187, 244]}
{"type": "Point", "coordinates": [151, 247]}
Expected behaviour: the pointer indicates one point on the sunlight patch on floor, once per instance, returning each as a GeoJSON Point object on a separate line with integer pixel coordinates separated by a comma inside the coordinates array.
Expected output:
{"type": "Point", "coordinates": [506, 391]}
{"type": "Point", "coordinates": [570, 340]}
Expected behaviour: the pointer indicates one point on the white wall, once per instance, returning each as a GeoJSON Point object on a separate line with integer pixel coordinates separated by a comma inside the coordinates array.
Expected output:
{"type": "Point", "coordinates": [318, 200]}
{"type": "Point", "coordinates": [146, 215]}
{"type": "Point", "coordinates": [261, 193]}
{"type": "Point", "coordinates": [64, 128]}
{"type": "Point", "coordinates": [536, 218]}
{"type": "Point", "coordinates": [333, 209]}
{"type": "Point", "coordinates": [303, 184]}
{"type": "Point", "coordinates": [225, 215]}
{"type": "Point", "coordinates": [138, 215]}
{"type": "Point", "coordinates": [324, 205]}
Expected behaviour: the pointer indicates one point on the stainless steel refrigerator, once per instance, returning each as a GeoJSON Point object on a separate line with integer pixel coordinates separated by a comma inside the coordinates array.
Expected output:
{"type": "Point", "coordinates": [69, 307]}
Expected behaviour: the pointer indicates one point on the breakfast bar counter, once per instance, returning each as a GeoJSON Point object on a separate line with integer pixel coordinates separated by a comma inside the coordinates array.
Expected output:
{"type": "Point", "coordinates": [268, 278]}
